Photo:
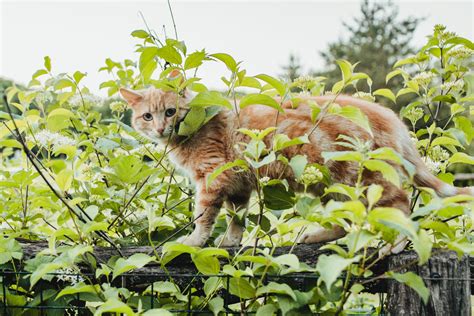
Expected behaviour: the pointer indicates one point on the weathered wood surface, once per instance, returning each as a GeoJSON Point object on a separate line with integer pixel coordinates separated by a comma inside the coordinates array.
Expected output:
{"type": "Point", "coordinates": [447, 278]}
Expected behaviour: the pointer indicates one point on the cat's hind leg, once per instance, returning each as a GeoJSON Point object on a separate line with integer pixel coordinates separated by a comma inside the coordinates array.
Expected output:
{"type": "Point", "coordinates": [235, 229]}
{"type": "Point", "coordinates": [323, 235]}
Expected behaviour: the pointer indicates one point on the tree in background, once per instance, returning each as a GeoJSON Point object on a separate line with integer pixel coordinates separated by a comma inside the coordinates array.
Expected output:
{"type": "Point", "coordinates": [376, 39]}
{"type": "Point", "coordinates": [293, 69]}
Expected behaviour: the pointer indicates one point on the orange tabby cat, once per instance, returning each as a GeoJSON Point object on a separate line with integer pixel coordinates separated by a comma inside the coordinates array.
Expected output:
{"type": "Point", "coordinates": [156, 116]}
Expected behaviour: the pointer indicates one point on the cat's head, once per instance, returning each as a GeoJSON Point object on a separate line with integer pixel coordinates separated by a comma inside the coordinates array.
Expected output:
{"type": "Point", "coordinates": [157, 113]}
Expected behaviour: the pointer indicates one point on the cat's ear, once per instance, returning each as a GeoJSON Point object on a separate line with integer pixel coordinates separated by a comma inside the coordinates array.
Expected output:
{"type": "Point", "coordinates": [132, 97]}
{"type": "Point", "coordinates": [175, 73]}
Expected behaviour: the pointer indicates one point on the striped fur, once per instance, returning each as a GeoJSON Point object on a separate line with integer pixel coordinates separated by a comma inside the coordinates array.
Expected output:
{"type": "Point", "coordinates": [216, 143]}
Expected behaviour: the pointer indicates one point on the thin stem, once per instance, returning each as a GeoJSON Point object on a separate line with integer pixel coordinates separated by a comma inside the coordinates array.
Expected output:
{"type": "Point", "coordinates": [172, 19]}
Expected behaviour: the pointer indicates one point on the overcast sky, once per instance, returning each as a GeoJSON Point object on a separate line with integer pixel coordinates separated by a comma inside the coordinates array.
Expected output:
{"type": "Point", "coordinates": [79, 35]}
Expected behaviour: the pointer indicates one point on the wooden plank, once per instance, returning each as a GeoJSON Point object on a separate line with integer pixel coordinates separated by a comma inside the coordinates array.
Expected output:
{"type": "Point", "coordinates": [183, 268]}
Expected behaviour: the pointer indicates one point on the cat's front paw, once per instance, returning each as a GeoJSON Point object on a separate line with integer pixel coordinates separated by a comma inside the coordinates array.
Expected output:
{"type": "Point", "coordinates": [192, 240]}
{"type": "Point", "coordinates": [227, 241]}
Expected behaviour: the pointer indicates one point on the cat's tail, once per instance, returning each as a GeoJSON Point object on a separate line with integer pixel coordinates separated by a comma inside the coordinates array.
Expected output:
{"type": "Point", "coordinates": [424, 177]}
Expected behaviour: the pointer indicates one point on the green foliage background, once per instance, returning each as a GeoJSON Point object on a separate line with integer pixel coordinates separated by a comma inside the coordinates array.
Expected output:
{"type": "Point", "coordinates": [76, 179]}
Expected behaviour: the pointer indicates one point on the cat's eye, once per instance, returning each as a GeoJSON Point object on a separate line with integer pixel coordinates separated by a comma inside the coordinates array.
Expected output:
{"type": "Point", "coordinates": [170, 112]}
{"type": "Point", "coordinates": [147, 116]}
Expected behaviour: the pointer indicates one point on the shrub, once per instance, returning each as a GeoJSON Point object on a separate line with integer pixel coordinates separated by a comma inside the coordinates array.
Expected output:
{"type": "Point", "coordinates": [77, 180]}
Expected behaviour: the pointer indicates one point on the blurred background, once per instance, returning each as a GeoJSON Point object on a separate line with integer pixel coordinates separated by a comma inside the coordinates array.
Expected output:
{"type": "Point", "coordinates": [281, 38]}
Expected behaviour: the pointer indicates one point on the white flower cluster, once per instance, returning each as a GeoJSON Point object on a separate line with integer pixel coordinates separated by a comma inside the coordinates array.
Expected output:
{"type": "Point", "coordinates": [305, 83]}
{"type": "Point", "coordinates": [118, 106]}
{"type": "Point", "coordinates": [461, 53]}
{"type": "Point", "coordinates": [44, 97]}
{"type": "Point", "coordinates": [311, 175]}
{"type": "Point", "coordinates": [433, 166]}
{"type": "Point", "coordinates": [414, 114]}
{"type": "Point", "coordinates": [453, 85]}
{"type": "Point", "coordinates": [438, 153]}
{"type": "Point", "coordinates": [437, 159]}
{"type": "Point", "coordinates": [442, 35]}
{"type": "Point", "coordinates": [46, 138]}
{"type": "Point", "coordinates": [424, 78]}
{"type": "Point", "coordinates": [364, 96]}
{"type": "Point", "coordinates": [264, 180]}
{"type": "Point", "coordinates": [89, 99]}
{"type": "Point", "coordinates": [68, 275]}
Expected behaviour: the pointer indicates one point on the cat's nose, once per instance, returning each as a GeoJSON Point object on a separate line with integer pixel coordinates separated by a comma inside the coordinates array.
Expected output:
{"type": "Point", "coordinates": [160, 130]}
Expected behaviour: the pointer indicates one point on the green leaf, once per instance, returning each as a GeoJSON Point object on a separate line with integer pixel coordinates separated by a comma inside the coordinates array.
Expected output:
{"type": "Point", "coordinates": [357, 240]}
{"type": "Point", "coordinates": [405, 61]}
{"type": "Point", "coordinates": [192, 121]}
{"type": "Point", "coordinates": [10, 249]}
{"type": "Point", "coordinates": [388, 171]}
{"type": "Point", "coordinates": [250, 82]}
{"type": "Point", "coordinates": [136, 261]}
{"type": "Point", "coordinates": [330, 267]}
{"type": "Point", "coordinates": [194, 60]}
{"type": "Point", "coordinates": [216, 305]}
{"type": "Point", "coordinates": [163, 287]}
{"type": "Point", "coordinates": [346, 69]}
{"type": "Point", "coordinates": [242, 288]}
{"type": "Point", "coordinates": [461, 41]}
{"type": "Point", "coordinates": [353, 114]}
{"type": "Point", "coordinates": [77, 288]}
{"type": "Point", "coordinates": [173, 249]}
{"type": "Point", "coordinates": [288, 259]}
{"type": "Point", "coordinates": [146, 57]}
{"type": "Point", "coordinates": [342, 156]}
{"type": "Point", "coordinates": [170, 54]}
{"type": "Point", "coordinates": [207, 265]}
{"type": "Point", "coordinates": [444, 140]}
{"type": "Point", "coordinates": [39, 73]}
{"type": "Point", "coordinates": [265, 310]}
{"type": "Point", "coordinates": [298, 164]}
{"type": "Point", "coordinates": [461, 158]}
{"type": "Point", "coordinates": [59, 119]}
{"type": "Point", "coordinates": [206, 260]}
{"type": "Point", "coordinates": [228, 60]}
{"type": "Point", "coordinates": [392, 74]}
{"type": "Point", "coordinates": [278, 197]}
{"type": "Point", "coordinates": [157, 312]}
{"type": "Point", "coordinates": [386, 153]}
{"type": "Point", "coordinates": [393, 218]}
{"type": "Point", "coordinates": [116, 306]}
{"type": "Point", "coordinates": [78, 76]}
{"type": "Point", "coordinates": [405, 91]}
{"type": "Point", "coordinates": [42, 270]}
{"type": "Point", "coordinates": [236, 163]}
{"type": "Point", "coordinates": [268, 159]}
{"type": "Point", "coordinates": [414, 281]}
{"type": "Point", "coordinates": [385, 93]}
{"type": "Point", "coordinates": [64, 179]}
{"type": "Point", "coordinates": [276, 288]}
{"type": "Point", "coordinates": [140, 34]}
{"type": "Point", "coordinates": [282, 141]}
{"type": "Point", "coordinates": [422, 245]}
{"type": "Point", "coordinates": [374, 193]}
{"type": "Point", "coordinates": [207, 98]}
{"type": "Point", "coordinates": [279, 86]}
{"type": "Point", "coordinates": [47, 63]}
{"type": "Point", "coordinates": [257, 98]}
